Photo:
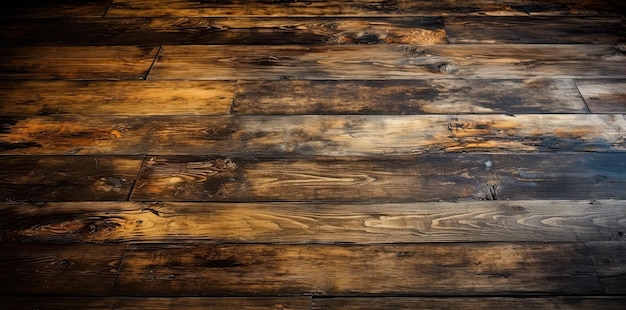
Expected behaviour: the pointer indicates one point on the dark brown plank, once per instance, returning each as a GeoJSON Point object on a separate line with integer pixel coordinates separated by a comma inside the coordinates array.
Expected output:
{"type": "Point", "coordinates": [444, 96]}
{"type": "Point", "coordinates": [30, 97]}
{"type": "Point", "coordinates": [93, 62]}
{"type": "Point", "coordinates": [58, 270]}
{"type": "Point", "coordinates": [365, 223]}
{"type": "Point", "coordinates": [274, 31]}
{"type": "Point", "coordinates": [330, 270]}
{"type": "Point", "coordinates": [359, 62]}
{"type": "Point", "coordinates": [41, 178]}
{"type": "Point", "coordinates": [604, 96]}
{"type": "Point", "coordinates": [610, 261]}
{"type": "Point", "coordinates": [486, 303]}
{"type": "Point", "coordinates": [53, 8]}
{"type": "Point", "coordinates": [498, 29]}
{"type": "Point", "coordinates": [388, 179]}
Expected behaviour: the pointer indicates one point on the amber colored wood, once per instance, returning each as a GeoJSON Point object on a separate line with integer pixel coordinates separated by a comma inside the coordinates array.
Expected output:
{"type": "Point", "coordinates": [53, 8]}
{"type": "Point", "coordinates": [443, 96]}
{"type": "Point", "coordinates": [330, 270]}
{"type": "Point", "coordinates": [309, 223]}
{"type": "Point", "coordinates": [83, 62]}
{"type": "Point", "coordinates": [57, 270]}
{"type": "Point", "coordinates": [240, 31]}
{"type": "Point", "coordinates": [595, 29]}
{"type": "Point", "coordinates": [604, 96]}
{"type": "Point", "coordinates": [359, 62]}
{"type": "Point", "coordinates": [45, 178]}
{"type": "Point", "coordinates": [610, 261]}
{"type": "Point", "coordinates": [31, 97]}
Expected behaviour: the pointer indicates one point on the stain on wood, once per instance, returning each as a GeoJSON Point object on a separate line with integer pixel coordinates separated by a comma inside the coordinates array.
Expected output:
{"type": "Point", "coordinates": [56, 8]}
{"type": "Point", "coordinates": [610, 261]}
{"type": "Point", "coordinates": [604, 96]}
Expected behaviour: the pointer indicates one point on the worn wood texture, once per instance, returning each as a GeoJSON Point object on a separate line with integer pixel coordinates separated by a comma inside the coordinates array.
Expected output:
{"type": "Point", "coordinates": [241, 31]}
{"type": "Point", "coordinates": [53, 8]}
{"type": "Point", "coordinates": [328, 270]}
{"type": "Point", "coordinates": [309, 223]}
{"type": "Point", "coordinates": [31, 97]}
{"type": "Point", "coordinates": [604, 96]}
{"type": "Point", "coordinates": [357, 8]}
{"type": "Point", "coordinates": [381, 97]}
{"type": "Point", "coordinates": [536, 29]}
{"type": "Point", "coordinates": [58, 270]}
{"type": "Point", "coordinates": [359, 62]}
{"type": "Point", "coordinates": [610, 261]}
{"type": "Point", "coordinates": [51, 178]}
{"type": "Point", "coordinates": [93, 62]}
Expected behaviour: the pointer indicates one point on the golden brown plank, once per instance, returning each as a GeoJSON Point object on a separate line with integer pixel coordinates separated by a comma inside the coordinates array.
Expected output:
{"type": "Point", "coordinates": [23, 98]}
{"type": "Point", "coordinates": [186, 30]}
{"type": "Point", "coordinates": [365, 223]}
{"type": "Point", "coordinates": [93, 62]}
{"type": "Point", "coordinates": [443, 96]}
{"type": "Point", "coordinates": [359, 62]}
{"type": "Point", "coordinates": [53, 8]}
{"type": "Point", "coordinates": [610, 261]}
{"type": "Point", "coordinates": [41, 178]}
{"type": "Point", "coordinates": [604, 96]}
{"type": "Point", "coordinates": [311, 135]}
{"type": "Point", "coordinates": [595, 29]}
{"type": "Point", "coordinates": [330, 270]}
{"type": "Point", "coordinates": [59, 270]}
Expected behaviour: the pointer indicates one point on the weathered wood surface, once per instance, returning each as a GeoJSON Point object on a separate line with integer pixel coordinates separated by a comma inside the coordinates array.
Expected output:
{"type": "Point", "coordinates": [330, 270]}
{"type": "Point", "coordinates": [311, 135]}
{"type": "Point", "coordinates": [52, 178]}
{"type": "Point", "coordinates": [241, 31]}
{"type": "Point", "coordinates": [610, 261]}
{"type": "Point", "coordinates": [59, 270]}
{"type": "Point", "coordinates": [31, 97]}
{"type": "Point", "coordinates": [442, 96]}
{"type": "Point", "coordinates": [360, 62]}
{"type": "Point", "coordinates": [536, 29]}
{"type": "Point", "coordinates": [357, 8]}
{"type": "Point", "coordinates": [93, 62]}
{"type": "Point", "coordinates": [604, 96]}
{"type": "Point", "coordinates": [310, 223]}
{"type": "Point", "coordinates": [53, 8]}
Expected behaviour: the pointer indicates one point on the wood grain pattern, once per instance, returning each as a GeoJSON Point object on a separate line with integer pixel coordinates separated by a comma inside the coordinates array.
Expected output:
{"type": "Point", "coordinates": [93, 62]}
{"type": "Point", "coordinates": [604, 96]}
{"type": "Point", "coordinates": [46, 178]}
{"type": "Point", "coordinates": [358, 62]}
{"type": "Point", "coordinates": [310, 223]}
{"type": "Point", "coordinates": [57, 270]}
{"type": "Point", "coordinates": [311, 135]}
{"type": "Point", "coordinates": [330, 270]}
{"type": "Point", "coordinates": [240, 31]}
{"type": "Point", "coordinates": [441, 96]}
{"type": "Point", "coordinates": [53, 8]}
{"type": "Point", "coordinates": [31, 97]}
{"type": "Point", "coordinates": [610, 261]}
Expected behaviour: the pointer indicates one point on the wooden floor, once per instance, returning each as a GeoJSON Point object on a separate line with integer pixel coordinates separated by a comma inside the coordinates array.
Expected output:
{"type": "Point", "coordinates": [289, 154]}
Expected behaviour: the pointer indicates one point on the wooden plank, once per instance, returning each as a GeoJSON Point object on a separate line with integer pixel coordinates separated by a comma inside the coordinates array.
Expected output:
{"type": "Point", "coordinates": [92, 62]}
{"type": "Point", "coordinates": [442, 96]}
{"type": "Point", "coordinates": [331, 270]}
{"type": "Point", "coordinates": [498, 29]}
{"type": "Point", "coordinates": [311, 135]}
{"type": "Point", "coordinates": [41, 178]}
{"type": "Point", "coordinates": [386, 179]}
{"type": "Point", "coordinates": [57, 270]}
{"type": "Point", "coordinates": [31, 97]}
{"type": "Point", "coordinates": [358, 62]}
{"type": "Point", "coordinates": [364, 223]}
{"type": "Point", "coordinates": [522, 303]}
{"type": "Point", "coordinates": [604, 96]}
{"type": "Point", "coordinates": [55, 8]}
{"type": "Point", "coordinates": [156, 303]}
{"type": "Point", "coordinates": [356, 8]}
{"type": "Point", "coordinates": [609, 257]}
{"type": "Point", "coordinates": [172, 31]}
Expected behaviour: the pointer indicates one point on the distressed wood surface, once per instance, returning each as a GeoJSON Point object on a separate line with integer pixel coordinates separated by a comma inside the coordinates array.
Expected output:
{"type": "Point", "coordinates": [31, 97]}
{"type": "Point", "coordinates": [442, 96]}
{"type": "Point", "coordinates": [610, 261]}
{"type": "Point", "coordinates": [328, 270]}
{"type": "Point", "coordinates": [59, 270]}
{"type": "Point", "coordinates": [79, 62]}
{"type": "Point", "coordinates": [241, 31]}
{"type": "Point", "coordinates": [310, 223]}
{"type": "Point", "coordinates": [311, 135]}
{"type": "Point", "coordinates": [358, 62]}
{"type": "Point", "coordinates": [53, 8]}
{"type": "Point", "coordinates": [604, 96]}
